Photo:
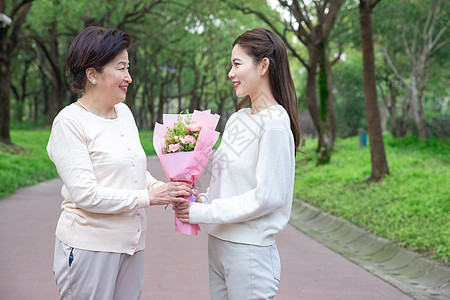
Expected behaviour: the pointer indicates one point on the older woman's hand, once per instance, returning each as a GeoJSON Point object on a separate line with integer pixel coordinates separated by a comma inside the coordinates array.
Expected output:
{"type": "Point", "coordinates": [170, 193]}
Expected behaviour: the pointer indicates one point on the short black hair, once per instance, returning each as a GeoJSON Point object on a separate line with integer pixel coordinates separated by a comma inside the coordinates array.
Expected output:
{"type": "Point", "coordinates": [94, 47]}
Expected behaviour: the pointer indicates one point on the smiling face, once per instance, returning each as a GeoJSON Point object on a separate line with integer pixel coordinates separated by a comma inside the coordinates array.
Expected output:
{"type": "Point", "coordinates": [244, 73]}
{"type": "Point", "coordinates": [115, 78]}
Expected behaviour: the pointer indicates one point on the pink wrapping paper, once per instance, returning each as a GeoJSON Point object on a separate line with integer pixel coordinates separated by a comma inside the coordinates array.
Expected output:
{"type": "Point", "coordinates": [187, 166]}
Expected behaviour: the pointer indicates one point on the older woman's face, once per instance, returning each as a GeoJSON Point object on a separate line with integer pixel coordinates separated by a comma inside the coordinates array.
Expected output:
{"type": "Point", "coordinates": [114, 80]}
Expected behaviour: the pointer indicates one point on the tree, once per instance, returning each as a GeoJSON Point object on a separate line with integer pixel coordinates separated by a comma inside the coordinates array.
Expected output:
{"type": "Point", "coordinates": [311, 24]}
{"type": "Point", "coordinates": [349, 94]}
{"type": "Point", "coordinates": [377, 151]}
{"type": "Point", "coordinates": [9, 39]}
{"type": "Point", "coordinates": [424, 42]}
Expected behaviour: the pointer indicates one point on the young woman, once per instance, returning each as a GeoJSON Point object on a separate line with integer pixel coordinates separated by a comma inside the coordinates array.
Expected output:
{"type": "Point", "coordinates": [95, 146]}
{"type": "Point", "coordinates": [250, 195]}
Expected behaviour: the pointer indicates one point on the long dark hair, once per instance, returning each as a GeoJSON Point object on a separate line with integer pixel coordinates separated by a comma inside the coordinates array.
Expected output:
{"type": "Point", "coordinates": [260, 43]}
{"type": "Point", "coordinates": [94, 47]}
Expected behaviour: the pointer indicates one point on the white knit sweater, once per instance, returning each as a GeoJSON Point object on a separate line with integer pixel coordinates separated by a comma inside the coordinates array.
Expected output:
{"type": "Point", "coordinates": [250, 195]}
{"type": "Point", "coordinates": [104, 170]}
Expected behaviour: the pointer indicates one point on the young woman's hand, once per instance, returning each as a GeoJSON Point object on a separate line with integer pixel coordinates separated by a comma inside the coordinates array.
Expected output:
{"type": "Point", "coordinates": [170, 193]}
{"type": "Point", "coordinates": [182, 212]}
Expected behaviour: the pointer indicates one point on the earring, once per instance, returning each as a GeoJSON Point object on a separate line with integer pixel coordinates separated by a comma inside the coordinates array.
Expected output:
{"type": "Point", "coordinates": [94, 81]}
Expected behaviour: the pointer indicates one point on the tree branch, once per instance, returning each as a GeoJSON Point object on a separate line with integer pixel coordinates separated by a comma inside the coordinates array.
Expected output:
{"type": "Point", "coordinates": [301, 19]}
{"type": "Point", "coordinates": [17, 7]}
{"type": "Point", "coordinates": [336, 59]}
{"type": "Point", "coordinates": [331, 17]}
{"type": "Point", "coordinates": [137, 14]}
{"type": "Point", "coordinates": [21, 10]}
{"type": "Point", "coordinates": [394, 69]}
{"type": "Point", "coordinates": [247, 10]}
{"type": "Point", "coordinates": [374, 3]}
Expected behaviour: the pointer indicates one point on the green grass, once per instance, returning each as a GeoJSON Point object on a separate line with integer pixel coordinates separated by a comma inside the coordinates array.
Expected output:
{"type": "Point", "coordinates": [27, 162]}
{"type": "Point", "coordinates": [411, 207]}
{"type": "Point", "coordinates": [147, 142]}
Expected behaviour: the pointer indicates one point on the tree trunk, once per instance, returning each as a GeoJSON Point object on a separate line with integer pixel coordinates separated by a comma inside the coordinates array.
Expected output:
{"type": "Point", "coordinates": [179, 87]}
{"type": "Point", "coordinates": [132, 90]}
{"type": "Point", "coordinates": [223, 96]}
{"type": "Point", "coordinates": [404, 118]}
{"type": "Point", "coordinates": [393, 109]}
{"type": "Point", "coordinates": [55, 75]}
{"type": "Point", "coordinates": [418, 104]}
{"type": "Point", "coordinates": [377, 151]}
{"type": "Point", "coordinates": [151, 105]}
{"type": "Point", "coordinates": [331, 111]}
{"type": "Point", "coordinates": [326, 136]}
{"type": "Point", "coordinates": [8, 45]}
{"type": "Point", "coordinates": [311, 96]}
{"type": "Point", "coordinates": [194, 94]}
{"type": "Point", "coordinates": [162, 97]}
{"type": "Point", "coordinates": [5, 80]}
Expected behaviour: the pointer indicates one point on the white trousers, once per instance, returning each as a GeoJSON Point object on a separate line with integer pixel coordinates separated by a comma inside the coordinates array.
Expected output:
{"type": "Point", "coordinates": [241, 271]}
{"type": "Point", "coordinates": [90, 275]}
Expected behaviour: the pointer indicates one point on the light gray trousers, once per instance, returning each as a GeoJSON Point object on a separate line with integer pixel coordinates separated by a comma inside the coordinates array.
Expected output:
{"type": "Point", "coordinates": [95, 275]}
{"type": "Point", "coordinates": [241, 271]}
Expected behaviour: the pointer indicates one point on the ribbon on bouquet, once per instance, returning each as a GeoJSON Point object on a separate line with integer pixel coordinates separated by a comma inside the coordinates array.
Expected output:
{"type": "Point", "coordinates": [191, 229]}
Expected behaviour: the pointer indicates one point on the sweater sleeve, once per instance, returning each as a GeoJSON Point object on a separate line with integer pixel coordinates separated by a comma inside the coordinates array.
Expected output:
{"type": "Point", "coordinates": [68, 150]}
{"type": "Point", "coordinates": [273, 178]}
{"type": "Point", "coordinates": [204, 196]}
{"type": "Point", "coordinates": [152, 182]}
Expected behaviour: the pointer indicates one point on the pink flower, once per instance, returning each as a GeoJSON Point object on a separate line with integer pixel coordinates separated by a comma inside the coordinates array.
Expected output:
{"type": "Point", "coordinates": [175, 147]}
{"type": "Point", "coordinates": [188, 139]}
{"type": "Point", "coordinates": [194, 127]}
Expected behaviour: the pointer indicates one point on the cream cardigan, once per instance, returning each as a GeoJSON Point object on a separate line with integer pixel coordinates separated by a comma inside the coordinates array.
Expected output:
{"type": "Point", "coordinates": [104, 170]}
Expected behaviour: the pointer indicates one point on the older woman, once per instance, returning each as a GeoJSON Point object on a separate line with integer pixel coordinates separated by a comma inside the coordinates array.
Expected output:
{"type": "Point", "coordinates": [95, 146]}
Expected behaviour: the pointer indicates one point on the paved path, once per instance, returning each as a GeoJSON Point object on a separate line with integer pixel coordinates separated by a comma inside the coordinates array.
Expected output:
{"type": "Point", "coordinates": [176, 265]}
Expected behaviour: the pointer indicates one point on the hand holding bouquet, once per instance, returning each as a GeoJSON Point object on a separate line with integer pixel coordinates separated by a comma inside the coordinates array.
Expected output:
{"type": "Point", "coordinates": [184, 145]}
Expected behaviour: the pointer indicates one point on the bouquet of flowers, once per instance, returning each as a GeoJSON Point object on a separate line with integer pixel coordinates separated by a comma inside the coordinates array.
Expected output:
{"type": "Point", "coordinates": [184, 145]}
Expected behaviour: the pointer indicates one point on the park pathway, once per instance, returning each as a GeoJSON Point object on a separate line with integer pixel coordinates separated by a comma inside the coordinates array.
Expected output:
{"type": "Point", "coordinates": [176, 265]}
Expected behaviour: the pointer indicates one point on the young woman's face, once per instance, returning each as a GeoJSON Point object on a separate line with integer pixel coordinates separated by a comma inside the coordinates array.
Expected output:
{"type": "Point", "coordinates": [244, 73]}
{"type": "Point", "coordinates": [115, 78]}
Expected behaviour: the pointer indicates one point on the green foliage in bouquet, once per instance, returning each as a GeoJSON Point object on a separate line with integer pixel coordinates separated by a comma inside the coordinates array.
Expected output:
{"type": "Point", "coordinates": [182, 136]}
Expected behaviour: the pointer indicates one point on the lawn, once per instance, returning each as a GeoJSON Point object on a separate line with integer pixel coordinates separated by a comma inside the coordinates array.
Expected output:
{"type": "Point", "coordinates": [27, 162]}
{"type": "Point", "coordinates": [410, 207]}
